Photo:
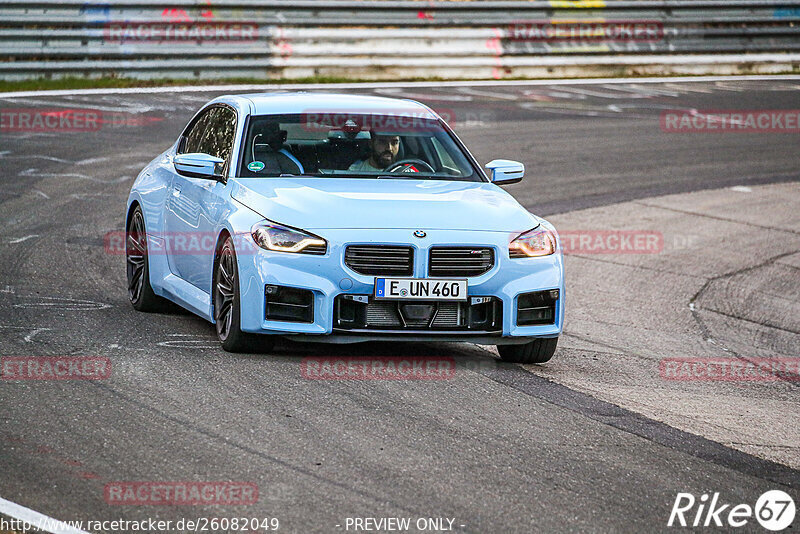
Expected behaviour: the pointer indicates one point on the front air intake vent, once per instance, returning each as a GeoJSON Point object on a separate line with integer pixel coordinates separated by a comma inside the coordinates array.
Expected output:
{"type": "Point", "coordinates": [288, 304]}
{"type": "Point", "coordinates": [538, 307]}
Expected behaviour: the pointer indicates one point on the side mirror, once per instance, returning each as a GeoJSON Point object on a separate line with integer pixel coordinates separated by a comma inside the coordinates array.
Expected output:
{"type": "Point", "coordinates": [505, 171]}
{"type": "Point", "coordinates": [197, 165]}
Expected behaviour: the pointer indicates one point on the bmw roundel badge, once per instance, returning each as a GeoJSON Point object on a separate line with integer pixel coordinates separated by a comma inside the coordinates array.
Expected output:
{"type": "Point", "coordinates": [420, 234]}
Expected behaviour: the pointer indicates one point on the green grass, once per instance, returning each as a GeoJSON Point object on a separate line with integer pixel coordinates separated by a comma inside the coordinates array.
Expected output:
{"type": "Point", "coordinates": [103, 83]}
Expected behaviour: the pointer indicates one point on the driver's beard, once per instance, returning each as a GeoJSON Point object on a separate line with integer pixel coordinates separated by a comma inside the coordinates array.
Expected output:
{"type": "Point", "coordinates": [386, 159]}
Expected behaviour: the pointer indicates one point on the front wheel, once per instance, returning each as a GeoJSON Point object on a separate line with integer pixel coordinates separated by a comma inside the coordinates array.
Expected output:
{"type": "Point", "coordinates": [537, 351]}
{"type": "Point", "coordinates": [227, 307]}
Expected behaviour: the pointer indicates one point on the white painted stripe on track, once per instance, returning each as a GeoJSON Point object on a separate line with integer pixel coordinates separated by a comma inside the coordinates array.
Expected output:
{"type": "Point", "coordinates": [383, 85]}
{"type": "Point", "coordinates": [37, 520]}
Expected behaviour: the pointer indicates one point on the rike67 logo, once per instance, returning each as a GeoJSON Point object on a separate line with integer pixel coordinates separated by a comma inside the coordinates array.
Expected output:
{"type": "Point", "coordinates": [774, 510]}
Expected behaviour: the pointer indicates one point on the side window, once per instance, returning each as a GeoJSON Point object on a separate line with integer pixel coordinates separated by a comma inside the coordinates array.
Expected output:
{"type": "Point", "coordinates": [220, 129]}
{"type": "Point", "coordinates": [195, 134]}
{"type": "Point", "coordinates": [212, 133]}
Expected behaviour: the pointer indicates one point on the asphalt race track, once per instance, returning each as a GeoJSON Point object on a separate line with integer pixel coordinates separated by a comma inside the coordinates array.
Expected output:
{"type": "Point", "coordinates": [495, 448]}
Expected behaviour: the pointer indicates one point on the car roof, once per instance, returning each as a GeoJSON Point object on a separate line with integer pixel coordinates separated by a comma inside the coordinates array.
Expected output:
{"type": "Point", "coordinates": [302, 102]}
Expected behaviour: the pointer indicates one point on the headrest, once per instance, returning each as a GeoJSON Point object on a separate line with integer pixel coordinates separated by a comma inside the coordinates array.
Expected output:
{"type": "Point", "coordinates": [269, 133]}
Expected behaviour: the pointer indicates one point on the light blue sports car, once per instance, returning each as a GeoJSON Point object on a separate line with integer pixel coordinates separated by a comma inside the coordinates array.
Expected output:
{"type": "Point", "coordinates": [341, 218]}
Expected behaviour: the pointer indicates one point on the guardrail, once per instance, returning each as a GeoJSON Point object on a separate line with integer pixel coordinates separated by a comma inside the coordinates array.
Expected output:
{"type": "Point", "coordinates": [393, 38]}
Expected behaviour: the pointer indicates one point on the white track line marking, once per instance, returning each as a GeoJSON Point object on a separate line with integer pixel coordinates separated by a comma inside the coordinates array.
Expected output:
{"type": "Point", "coordinates": [47, 158]}
{"type": "Point", "coordinates": [598, 94]}
{"type": "Point", "coordinates": [64, 303]}
{"type": "Point", "coordinates": [189, 344]}
{"type": "Point", "coordinates": [92, 160]}
{"type": "Point", "coordinates": [21, 239]}
{"type": "Point", "coordinates": [192, 335]}
{"type": "Point", "coordinates": [203, 343]}
{"type": "Point", "coordinates": [36, 173]}
{"type": "Point", "coordinates": [488, 94]}
{"type": "Point", "coordinates": [29, 337]}
{"type": "Point", "coordinates": [398, 92]}
{"type": "Point", "coordinates": [384, 85]}
{"type": "Point", "coordinates": [40, 521]}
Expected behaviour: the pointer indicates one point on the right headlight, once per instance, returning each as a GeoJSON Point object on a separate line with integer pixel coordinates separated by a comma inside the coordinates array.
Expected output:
{"type": "Point", "coordinates": [273, 236]}
{"type": "Point", "coordinates": [533, 243]}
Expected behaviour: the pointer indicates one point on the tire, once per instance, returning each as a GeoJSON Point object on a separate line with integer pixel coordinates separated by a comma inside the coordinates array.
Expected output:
{"type": "Point", "coordinates": [140, 292]}
{"type": "Point", "coordinates": [537, 351]}
{"type": "Point", "coordinates": [227, 305]}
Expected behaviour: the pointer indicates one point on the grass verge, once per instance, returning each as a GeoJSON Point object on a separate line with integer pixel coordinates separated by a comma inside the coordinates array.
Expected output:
{"type": "Point", "coordinates": [104, 83]}
{"type": "Point", "coordinates": [113, 83]}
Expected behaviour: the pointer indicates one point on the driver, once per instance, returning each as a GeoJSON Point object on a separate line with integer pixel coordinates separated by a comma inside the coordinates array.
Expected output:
{"type": "Point", "coordinates": [383, 152]}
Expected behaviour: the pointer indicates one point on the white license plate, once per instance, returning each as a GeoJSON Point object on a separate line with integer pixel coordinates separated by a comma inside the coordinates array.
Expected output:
{"type": "Point", "coordinates": [420, 289]}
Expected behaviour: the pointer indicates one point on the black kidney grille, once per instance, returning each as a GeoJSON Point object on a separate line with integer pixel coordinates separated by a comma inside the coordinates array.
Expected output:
{"type": "Point", "coordinates": [460, 261]}
{"type": "Point", "coordinates": [380, 260]}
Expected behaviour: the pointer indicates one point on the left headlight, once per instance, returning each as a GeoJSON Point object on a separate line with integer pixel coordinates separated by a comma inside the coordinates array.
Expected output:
{"type": "Point", "coordinates": [280, 238]}
{"type": "Point", "coordinates": [533, 243]}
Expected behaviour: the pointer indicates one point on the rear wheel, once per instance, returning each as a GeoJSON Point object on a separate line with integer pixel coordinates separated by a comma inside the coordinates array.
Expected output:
{"type": "Point", "coordinates": [227, 307]}
{"type": "Point", "coordinates": [140, 292]}
{"type": "Point", "coordinates": [537, 351]}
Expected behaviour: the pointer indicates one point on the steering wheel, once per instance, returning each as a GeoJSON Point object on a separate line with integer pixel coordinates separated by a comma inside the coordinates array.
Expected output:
{"type": "Point", "coordinates": [409, 165]}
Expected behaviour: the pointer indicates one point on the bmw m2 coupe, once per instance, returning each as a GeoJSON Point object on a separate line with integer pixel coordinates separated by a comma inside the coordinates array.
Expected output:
{"type": "Point", "coordinates": [341, 218]}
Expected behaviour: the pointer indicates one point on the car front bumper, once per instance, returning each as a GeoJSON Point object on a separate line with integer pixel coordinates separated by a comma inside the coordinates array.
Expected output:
{"type": "Point", "coordinates": [327, 277]}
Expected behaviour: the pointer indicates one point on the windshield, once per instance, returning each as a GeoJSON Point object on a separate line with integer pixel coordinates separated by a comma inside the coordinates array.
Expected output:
{"type": "Point", "coordinates": [345, 145]}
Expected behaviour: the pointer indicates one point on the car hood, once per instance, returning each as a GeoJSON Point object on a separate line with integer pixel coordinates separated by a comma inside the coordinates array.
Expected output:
{"type": "Point", "coordinates": [319, 203]}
